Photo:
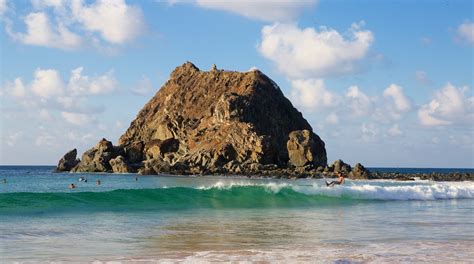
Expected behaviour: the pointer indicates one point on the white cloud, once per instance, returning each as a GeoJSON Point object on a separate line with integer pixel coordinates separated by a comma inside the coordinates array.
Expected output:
{"type": "Point", "coordinates": [44, 114]}
{"type": "Point", "coordinates": [465, 32]}
{"type": "Point", "coordinates": [143, 86]}
{"type": "Point", "coordinates": [16, 88]}
{"type": "Point", "coordinates": [12, 139]}
{"type": "Point", "coordinates": [47, 83]}
{"type": "Point", "coordinates": [38, 4]}
{"type": "Point", "coordinates": [76, 118]}
{"type": "Point", "coordinates": [395, 131]}
{"type": "Point", "coordinates": [422, 78]}
{"type": "Point", "coordinates": [115, 21]}
{"type": "Point", "coordinates": [45, 139]}
{"type": "Point", "coordinates": [265, 10]}
{"type": "Point", "coordinates": [73, 24]}
{"type": "Point", "coordinates": [40, 32]}
{"type": "Point", "coordinates": [358, 102]}
{"type": "Point", "coordinates": [312, 94]}
{"type": "Point", "coordinates": [48, 94]}
{"type": "Point", "coordinates": [399, 100]}
{"type": "Point", "coordinates": [309, 53]}
{"type": "Point", "coordinates": [370, 132]}
{"type": "Point", "coordinates": [3, 7]}
{"type": "Point", "coordinates": [332, 118]}
{"type": "Point", "coordinates": [450, 105]}
{"type": "Point", "coordinates": [83, 85]}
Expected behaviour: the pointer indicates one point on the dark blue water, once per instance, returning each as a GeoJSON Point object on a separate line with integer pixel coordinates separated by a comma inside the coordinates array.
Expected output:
{"type": "Point", "coordinates": [47, 169]}
{"type": "Point", "coordinates": [421, 170]}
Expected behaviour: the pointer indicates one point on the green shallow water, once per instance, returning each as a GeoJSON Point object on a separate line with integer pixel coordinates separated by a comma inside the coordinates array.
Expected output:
{"type": "Point", "coordinates": [176, 198]}
{"type": "Point", "coordinates": [222, 219]}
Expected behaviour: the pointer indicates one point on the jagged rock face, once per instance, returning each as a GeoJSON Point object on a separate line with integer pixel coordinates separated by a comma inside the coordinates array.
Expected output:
{"type": "Point", "coordinates": [68, 161]}
{"type": "Point", "coordinates": [212, 122]}
{"type": "Point", "coordinates": [97, 158]}
{"type": "Point", "coordinates": [305, 148]}
{"type": "Point", "coordinates": [212, 118]}
{"type": "Point", "coordinates": [119, 165]}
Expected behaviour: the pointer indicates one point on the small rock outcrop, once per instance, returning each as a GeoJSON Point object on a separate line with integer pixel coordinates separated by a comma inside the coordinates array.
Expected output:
{"type": "Point", "coordinates": [68, 161]}
{"type": "Point", "coordinates": [97, 158]}
{"type": "Point", "coordinates": [359, 172]}
{"type": "Point", "coordinates": [212, 122]}
{"type": "Point", "coordinates": [339, 166]}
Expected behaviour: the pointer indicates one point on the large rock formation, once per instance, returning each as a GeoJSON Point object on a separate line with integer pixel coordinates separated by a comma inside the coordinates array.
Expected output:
{"type": "Point", "coordinates": [212, 122]}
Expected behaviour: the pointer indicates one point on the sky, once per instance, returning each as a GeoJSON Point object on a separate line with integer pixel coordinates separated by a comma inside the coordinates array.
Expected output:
{"type": "Point", "coordinates": [383, 83]}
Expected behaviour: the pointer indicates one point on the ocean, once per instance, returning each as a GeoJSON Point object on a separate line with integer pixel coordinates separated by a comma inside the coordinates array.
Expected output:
{"type": "Point", "coordinates": [132, 218]}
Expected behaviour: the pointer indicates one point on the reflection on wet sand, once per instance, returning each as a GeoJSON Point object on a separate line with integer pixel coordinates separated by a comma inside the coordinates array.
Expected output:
{"type": "Point", "coordinates": [209, 233]}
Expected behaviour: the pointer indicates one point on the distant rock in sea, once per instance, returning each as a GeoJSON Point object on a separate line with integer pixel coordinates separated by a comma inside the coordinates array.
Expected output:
{"type": "Point", "coordinates": [211, 122]}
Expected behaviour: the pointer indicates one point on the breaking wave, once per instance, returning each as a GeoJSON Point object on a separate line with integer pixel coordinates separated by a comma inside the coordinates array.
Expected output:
{"type": "Point", "coordinates": [231, 194]}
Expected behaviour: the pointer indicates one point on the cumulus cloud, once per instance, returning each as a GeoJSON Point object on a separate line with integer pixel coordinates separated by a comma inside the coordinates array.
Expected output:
{"type": "Point", "coordinates": [40, 32]}
{"type": "Point", "coordinates": [400, 103]}
{"type": "Point", "coordinates": [74, 24]}
{"type": "Point", "coordinates": [82, 85]}
{"type": "Point", "coordinates": [312, 94]}
{"type": "Point", "coordinates": [369, 132]}
{"type": "Point", "coordinates": [115, 21]}
{"type": "Point", "coordinates": [47, 83]}
{"type": "Point", "coordinates": [47, 91]}
{"type": "Point", "coordinates": [465, 31]}
{"type": "Point", "coordinates": [395, 131]}
{"type": "Point", "coordinates": [76, 118]}
{"type": "Point", "coordinates": [450, 105]}
{"type": "Point", "coordinates": [265, 10]}
{"type": "Point", "coordinates": [38, 4]}
{"type": "Point", "coordinates": [16, 88]}
{"type": "Point", "coordinates": [311, 53]}
{"type": "Point", "coordinates": [358, 102]}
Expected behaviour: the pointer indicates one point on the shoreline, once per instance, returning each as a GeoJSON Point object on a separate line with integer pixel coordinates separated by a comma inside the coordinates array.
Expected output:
{"type": "Point", "coordinates": [457, 174]}
{"type": "Point", "coordinates": [395, 176]}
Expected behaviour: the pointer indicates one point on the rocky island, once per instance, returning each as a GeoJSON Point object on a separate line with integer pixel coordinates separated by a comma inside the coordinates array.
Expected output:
{"type": "Point", "coordinates": [216, 122]}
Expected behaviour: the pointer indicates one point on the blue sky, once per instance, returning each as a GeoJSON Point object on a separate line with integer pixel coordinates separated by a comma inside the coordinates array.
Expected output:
{"type": "Point", "coordinates": [384, 83]}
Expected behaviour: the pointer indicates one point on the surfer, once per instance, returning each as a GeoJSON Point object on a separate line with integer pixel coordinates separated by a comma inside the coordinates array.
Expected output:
{"type": "Point", "coordinates": [72, 186]}
{"type": "Point", "coordinates": [339, 181]}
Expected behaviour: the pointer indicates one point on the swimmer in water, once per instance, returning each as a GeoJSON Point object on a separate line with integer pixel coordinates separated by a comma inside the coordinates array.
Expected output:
{"type": "Point", "coordinates": [98, 182]}
{"type": "Point", "coordinates": [72, 186]}
{"type": "Point", "coordinates": [339, 181]}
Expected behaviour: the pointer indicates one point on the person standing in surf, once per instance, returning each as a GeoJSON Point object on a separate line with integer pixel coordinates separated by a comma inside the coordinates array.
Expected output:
{"type": "Point", "coordinates": [339, 181]}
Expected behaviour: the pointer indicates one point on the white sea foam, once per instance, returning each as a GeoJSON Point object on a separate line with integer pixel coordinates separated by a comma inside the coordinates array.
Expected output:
{"type": "Point", "coordinates": [377, 190]}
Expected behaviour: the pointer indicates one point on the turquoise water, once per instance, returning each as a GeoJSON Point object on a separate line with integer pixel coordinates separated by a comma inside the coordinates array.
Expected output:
{"type": "Point", "coordinates": [132, 218]}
